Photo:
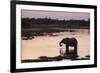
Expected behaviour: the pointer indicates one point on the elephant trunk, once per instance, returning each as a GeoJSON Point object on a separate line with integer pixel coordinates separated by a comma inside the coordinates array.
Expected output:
{"type": "Point", "coordinates": [60, 44]}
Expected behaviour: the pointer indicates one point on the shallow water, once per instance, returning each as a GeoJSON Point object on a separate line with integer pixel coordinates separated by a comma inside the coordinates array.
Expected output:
{"type": "Point", "coordinates": [49, 45]}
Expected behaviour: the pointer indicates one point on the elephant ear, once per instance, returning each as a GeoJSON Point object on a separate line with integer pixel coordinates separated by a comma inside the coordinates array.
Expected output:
{"type": "Point", "coordinates": [62, 41]}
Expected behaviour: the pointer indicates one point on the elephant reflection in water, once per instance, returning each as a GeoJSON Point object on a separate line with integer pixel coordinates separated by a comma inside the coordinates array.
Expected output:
{"type": "Point", "coordinates": [69, 42]}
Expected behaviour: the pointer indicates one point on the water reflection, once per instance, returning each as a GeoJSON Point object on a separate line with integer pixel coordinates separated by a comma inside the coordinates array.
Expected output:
{"type": "Point", "coordinates": [47, 44]}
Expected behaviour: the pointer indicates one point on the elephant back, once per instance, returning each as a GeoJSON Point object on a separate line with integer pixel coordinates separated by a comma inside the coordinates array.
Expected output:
{"type": "Point", "coordinates": [71, 41]}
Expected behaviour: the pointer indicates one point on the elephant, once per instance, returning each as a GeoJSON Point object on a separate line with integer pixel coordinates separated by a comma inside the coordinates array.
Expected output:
{"type": "Point", "coordinates": [69, 42]}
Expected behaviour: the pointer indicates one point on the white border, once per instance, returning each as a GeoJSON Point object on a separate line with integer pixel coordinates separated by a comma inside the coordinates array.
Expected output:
{"type": "Point", "coordinates": [20, 65]}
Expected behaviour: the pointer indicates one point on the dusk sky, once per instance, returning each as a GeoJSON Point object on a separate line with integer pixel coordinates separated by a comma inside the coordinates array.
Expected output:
{"type": "Point", "coordinates": [54, 15]}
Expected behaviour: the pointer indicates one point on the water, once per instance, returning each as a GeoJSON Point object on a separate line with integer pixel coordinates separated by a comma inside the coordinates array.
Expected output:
{"type": "Point", "coordinates": [49, 45]}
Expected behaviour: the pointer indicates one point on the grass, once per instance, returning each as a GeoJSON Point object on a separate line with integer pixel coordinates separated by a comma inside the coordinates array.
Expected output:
{"type": "Point", "coordinates": [43, 59]}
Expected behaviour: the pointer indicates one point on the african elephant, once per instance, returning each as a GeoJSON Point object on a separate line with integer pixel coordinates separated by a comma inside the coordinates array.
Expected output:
{"type": "Point", "coordinates": [69, 42]}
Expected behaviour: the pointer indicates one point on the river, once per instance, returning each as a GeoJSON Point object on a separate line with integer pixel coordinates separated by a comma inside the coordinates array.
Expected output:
{"type": "Point", "coordinates": [49, 45]}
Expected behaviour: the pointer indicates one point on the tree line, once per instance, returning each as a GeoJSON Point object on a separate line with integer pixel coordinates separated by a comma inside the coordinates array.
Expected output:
{"type": "Point", "coordinates": [48, 22]}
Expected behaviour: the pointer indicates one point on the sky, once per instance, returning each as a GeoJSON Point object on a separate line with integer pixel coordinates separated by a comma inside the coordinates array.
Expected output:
{"type": "Point", "coordinates": [54, 15]}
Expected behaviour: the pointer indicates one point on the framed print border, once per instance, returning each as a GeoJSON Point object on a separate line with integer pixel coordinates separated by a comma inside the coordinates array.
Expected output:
{"type": "Point", "coordinates": [13, 35]}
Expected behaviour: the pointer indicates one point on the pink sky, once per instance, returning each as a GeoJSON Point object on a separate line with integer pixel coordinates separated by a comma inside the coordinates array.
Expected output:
{"type": "Point", "coordinates": [54, 15]}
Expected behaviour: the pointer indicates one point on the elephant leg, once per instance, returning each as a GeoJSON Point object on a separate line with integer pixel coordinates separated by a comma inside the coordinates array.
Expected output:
{"type": "Point", "coordinates": [75, 50]}
{"type": "Point", "coordinates": [67, 49]}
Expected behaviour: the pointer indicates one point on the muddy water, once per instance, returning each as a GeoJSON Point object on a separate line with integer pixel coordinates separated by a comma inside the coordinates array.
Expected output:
{"type": "Point", "coordinates": [49, 45]}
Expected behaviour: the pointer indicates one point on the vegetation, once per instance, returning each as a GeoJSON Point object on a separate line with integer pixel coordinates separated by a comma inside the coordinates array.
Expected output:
{"type": "Point", "coordinates": [48, 23]}
{"type": "Point", "coordinates": [37, 27]}
{"type": "Point", "coordinates": [56, 58]}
